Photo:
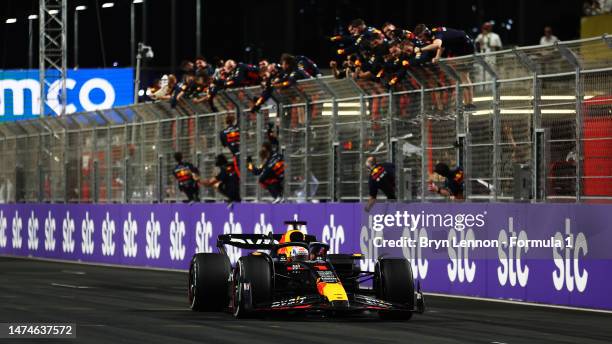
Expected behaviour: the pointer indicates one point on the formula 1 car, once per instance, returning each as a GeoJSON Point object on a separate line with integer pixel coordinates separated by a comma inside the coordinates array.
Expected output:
{"type": "Point", "coordinates": [293, 272]}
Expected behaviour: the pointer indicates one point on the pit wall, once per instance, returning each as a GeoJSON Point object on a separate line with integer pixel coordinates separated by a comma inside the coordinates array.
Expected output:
{"type": "Point", "coordinates": [167, 235]}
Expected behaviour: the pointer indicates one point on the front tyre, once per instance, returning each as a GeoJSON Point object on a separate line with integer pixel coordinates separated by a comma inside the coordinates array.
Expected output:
{"type": "Point", "coordinates": [252, 284]}
{"type": "Point", "coordinates": [394, 283]}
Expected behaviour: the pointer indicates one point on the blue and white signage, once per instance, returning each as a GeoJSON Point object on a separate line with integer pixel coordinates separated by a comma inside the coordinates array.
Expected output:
{"type": "Point", "coordinates": [87, 90]}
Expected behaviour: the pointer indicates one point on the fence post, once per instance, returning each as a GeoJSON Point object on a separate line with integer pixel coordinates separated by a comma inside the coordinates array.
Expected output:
{"type": "Point", "coordinates": [424, 170]}
{"type": "Point", "coordinates": [334, 151]}
{"type": "Point", "coordinates": [307, 152]}
{"type": "Point", "coordinates": [362, 134]}
{"type": "Point", "coordinates": [575, 62]}
{"type": "Point", "coordinates": [496, 124]}
{"type": "Point", "coordinates": [528, 63]}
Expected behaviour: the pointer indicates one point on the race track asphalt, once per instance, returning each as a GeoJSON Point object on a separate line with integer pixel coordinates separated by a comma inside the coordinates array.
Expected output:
{"type": "Point", "coordinates": [119, 305]}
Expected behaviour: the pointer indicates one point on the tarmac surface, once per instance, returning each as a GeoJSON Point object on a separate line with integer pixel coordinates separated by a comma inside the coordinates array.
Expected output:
{"type": "Point", "coordinates": [120, 305]}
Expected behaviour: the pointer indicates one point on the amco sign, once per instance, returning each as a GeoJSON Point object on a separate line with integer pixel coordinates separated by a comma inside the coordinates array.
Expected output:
{"type": "Point", "coordinates": [87, 90]}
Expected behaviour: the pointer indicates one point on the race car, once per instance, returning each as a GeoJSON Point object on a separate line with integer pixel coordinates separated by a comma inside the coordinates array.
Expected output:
{"type": "Point", "coordinates": [293, 272]}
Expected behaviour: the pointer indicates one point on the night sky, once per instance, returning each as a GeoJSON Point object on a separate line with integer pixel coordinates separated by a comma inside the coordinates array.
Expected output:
{"type": "Point", "coordinates": [269, 27]}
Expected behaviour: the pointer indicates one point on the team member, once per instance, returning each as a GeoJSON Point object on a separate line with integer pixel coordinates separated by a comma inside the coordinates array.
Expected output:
{"type": "Point", "coordinates": [289, 74]}
{"type": "Point", "coordinates": [230, 138]}
{"type": "Point", "coordinates": [187, 177]}
{"type": "Point", "coordinates": [271, 173]}
{"type": "Point", "coordinates": [447, 42]}
{"type": "Point", "coordinates": [453, 181]}
{"type": "Point", "coordinates": [226, 181]}
{"type": "Point", "coordinates": [381, 176]}
{"type": "Point", "coordinates": [241, 74]}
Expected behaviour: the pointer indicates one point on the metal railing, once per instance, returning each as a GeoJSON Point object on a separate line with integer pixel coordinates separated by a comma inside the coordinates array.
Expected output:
{"type": "Point", "coordinates": [541, 131]}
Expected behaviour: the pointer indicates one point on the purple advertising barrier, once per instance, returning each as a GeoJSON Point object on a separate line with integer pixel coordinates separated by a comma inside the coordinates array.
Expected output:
{"type": "Point", "coordinates": [576, 273]}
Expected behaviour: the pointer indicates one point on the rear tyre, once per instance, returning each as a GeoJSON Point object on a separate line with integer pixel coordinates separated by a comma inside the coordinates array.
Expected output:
{"type": "Point", "coordinates": [209, 282]}
{"type": "Point", "coordinates": [394, 283]}
{"type": "Point", "coordinates": [252, 284]}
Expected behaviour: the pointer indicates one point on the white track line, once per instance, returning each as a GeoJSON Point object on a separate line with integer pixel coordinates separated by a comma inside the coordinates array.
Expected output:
{"type": "Point", "coordinates": [522, 303]}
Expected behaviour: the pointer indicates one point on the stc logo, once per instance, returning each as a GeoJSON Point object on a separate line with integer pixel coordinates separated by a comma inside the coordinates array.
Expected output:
{"type": "Point", "coordinates": [153, 248]}
{"type": "Point", "coordinates": [203, 235]}
{"type": "Point", "coordinates": [130, 230]}
{"type": "Point", "coordinates": [67, 234]}
{"type": "Point", "coordinates": [366, 245]}
{"type": "Point", "coordinates": [87, 230]}
{"type": "Point", "coordinates": [511, 269]}
{"type": "Point", "coordinates": [233, 228]}
{"type": "Point", "coordinates": [414, 254]}
{"type": "Point", "coordinates": [460, 267]}
{"type": "Point", "coordinates": [32, 232]}
{"type": "Point", "coordinates": [3, 238]}
{"type": "Point", "coordinates": [108, 231]}
{"type": "Point", "coordinates": [262, 227]}
{"type": "Point", "coordinates": [17, 225]}
{"type": "Point", "coordinates": [177, 232]}
{"type": "Point", "coordinates": [49, 233]}
{"type": "Point", "coordinates": [567, 260]}
{"type": "Point", "coordinates": [333, 235]}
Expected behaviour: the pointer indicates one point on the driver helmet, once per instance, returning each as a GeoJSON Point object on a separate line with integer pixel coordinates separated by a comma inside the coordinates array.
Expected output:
{"type": "Point", "coordinates": [298, 253]}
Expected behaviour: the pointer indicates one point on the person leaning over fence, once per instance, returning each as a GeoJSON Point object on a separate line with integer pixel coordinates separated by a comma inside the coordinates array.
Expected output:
{"type": "Point", "coordinates": [227, 181]}
{"type": "Point", "coordinates": [230, 138]}
{"type": "Point", "coordinates": [453, 181]}
{"type": "Point", "coordinates": [447, 42]}
{"type": "Point", "coordinates": [380, 176]}
{"type": "Point", "coordinates": [271, 173]}
{"type": "Point", "coordinates": [187, 177]}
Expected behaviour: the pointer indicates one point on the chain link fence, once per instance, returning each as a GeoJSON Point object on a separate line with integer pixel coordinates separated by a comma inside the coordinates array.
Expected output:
{"type": "Point", "coordinates": [540, 130]}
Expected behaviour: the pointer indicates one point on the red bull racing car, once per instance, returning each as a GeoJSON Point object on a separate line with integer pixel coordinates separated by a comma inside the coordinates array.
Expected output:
{"type": "Point", "coordinates": [293, 272]}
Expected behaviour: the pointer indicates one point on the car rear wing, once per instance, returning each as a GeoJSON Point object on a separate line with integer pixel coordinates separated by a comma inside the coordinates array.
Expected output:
{"type": "Point", "coordinates": [254, 241]}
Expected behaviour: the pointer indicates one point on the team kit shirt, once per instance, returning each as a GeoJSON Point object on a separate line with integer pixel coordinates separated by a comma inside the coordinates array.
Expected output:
{"type": "Point", "coordinates": [184, 173]}
{"type": "Point", "coordinates": [382, 177]}
{"type": "Point", "coordinates": [230, 138]}
{"type": "Point", "coordinates": [454, 182]}
{"type": "Point", "coordinates": [454, 42]}
{"type": "Point", "coordinates": [229, 182]}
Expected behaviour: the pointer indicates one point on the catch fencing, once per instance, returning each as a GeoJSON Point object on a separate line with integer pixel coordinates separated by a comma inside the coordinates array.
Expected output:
{"type": "Point", "coordinates": [540, 130]}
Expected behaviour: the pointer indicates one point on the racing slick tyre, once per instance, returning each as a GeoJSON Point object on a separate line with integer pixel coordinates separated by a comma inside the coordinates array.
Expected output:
{"type": "Point", "coordinates": [252, 284]}
{"type": "Point", "coordinates": [209, 282]}
{"type": "Point", "coordinates": [394, 283]}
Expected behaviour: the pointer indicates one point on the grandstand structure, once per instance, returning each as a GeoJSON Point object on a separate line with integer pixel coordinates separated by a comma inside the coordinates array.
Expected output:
{"type": "Point", "coordinates": [541, 132]}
